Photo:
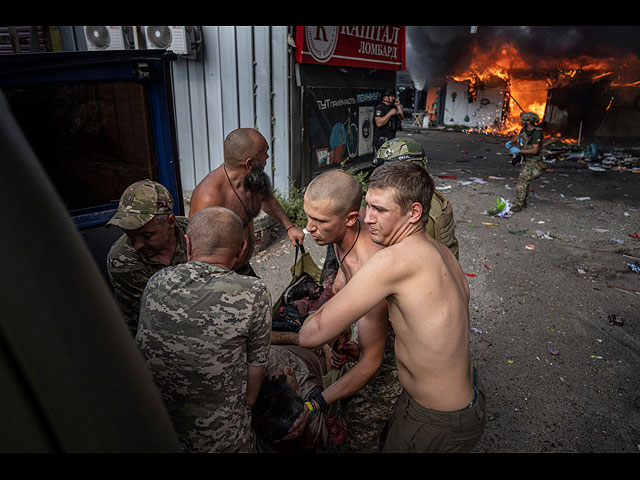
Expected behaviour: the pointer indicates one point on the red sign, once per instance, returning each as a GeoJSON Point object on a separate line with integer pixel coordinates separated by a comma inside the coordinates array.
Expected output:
{"type": "Point", "coordinates": [365, 46]}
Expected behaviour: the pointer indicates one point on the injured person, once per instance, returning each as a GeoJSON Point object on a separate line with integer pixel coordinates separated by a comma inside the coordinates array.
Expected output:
{"type": "Point", "coordinates": [291, 377]}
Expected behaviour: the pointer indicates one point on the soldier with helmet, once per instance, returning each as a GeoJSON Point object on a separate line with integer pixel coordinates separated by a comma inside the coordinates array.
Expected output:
{"type": "Point", "coordinates": [387, 118]}
{"type": "Point", "coordinates": [153, 239]}
{"type": "Point", "coordinates": [528, 144]}
{"type": "Point", "coordinates": [441, 224]}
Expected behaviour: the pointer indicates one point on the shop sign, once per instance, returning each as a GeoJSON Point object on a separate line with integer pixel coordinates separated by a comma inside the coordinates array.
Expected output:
{"type": "Point", "coordinates": [366, 46]}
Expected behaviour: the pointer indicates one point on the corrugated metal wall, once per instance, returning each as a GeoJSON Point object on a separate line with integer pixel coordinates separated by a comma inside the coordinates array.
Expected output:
{"type": "Point", "coordinates": [240, 79]}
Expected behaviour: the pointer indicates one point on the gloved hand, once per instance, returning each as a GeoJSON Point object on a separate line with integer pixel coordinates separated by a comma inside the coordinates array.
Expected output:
{"type": "Point", "coordinates": [514, 150]}
{"type": "Point", "coordinates": [508, 144]}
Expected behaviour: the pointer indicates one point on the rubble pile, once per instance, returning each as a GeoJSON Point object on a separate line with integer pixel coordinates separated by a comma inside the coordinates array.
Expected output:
{"type": "Point", "coordinates": [619, 159]}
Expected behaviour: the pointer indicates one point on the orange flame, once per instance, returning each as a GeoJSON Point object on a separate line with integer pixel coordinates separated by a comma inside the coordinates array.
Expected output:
{"type": "Point", "coordinates": [527, 85]}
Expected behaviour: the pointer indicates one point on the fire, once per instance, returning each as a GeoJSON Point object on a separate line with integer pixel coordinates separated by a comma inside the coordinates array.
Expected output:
{"type": "Point", "coordinates": [526, 85]}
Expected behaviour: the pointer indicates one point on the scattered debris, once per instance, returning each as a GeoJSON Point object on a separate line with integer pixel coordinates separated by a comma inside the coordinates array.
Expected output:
{"type": "Point", "coordinates": [616, 319]}
{"type": "Point", "coordinates": [624, 289]}
{"type": "Point", "coordinates": [619, 159]}
{"type": "Point", "coordinates": [478, 180]}
{"type": "Point", "coordinates": [634, 267]}
{"type": "Point", "coordinates": [530, 247]}
{"type": "Point", "coordinates": [502, 209]}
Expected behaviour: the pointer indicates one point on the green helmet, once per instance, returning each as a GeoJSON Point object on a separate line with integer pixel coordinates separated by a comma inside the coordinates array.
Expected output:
{"type": "Point", "coordinates": [530, 116]}
{"type": "Point", "coordinates": [398, 149]}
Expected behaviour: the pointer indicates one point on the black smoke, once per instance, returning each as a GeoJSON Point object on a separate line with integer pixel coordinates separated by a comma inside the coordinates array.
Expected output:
{"type": "Point", "coordinates": [434, 52]}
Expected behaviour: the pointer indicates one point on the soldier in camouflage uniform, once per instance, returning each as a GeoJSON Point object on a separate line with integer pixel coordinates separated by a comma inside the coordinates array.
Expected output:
{"type": "Point", "coordinates": [153, 240]}
{"type": "Point", "coordinates": [204, 332]}
{"type": "Point", "coordinates": [441, 224]}
{"type": "Point", "coordinates": [529, 144]}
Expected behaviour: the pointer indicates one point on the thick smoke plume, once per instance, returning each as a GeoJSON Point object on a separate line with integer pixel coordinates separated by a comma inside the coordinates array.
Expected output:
{"type": "Point", "coordinates": [435, 52]}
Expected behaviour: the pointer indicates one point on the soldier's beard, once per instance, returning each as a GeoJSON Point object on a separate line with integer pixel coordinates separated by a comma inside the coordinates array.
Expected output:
{"type": "Point", "coordinates": [259, 182]}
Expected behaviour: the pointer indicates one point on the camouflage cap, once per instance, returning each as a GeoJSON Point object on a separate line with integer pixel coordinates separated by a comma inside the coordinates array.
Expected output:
{"type": "Point", "coordinates": [401, 148]}
{"type": "Point", "coordinates": [530, 116]}
{"type": "Point", "coordinates": [140, 202]}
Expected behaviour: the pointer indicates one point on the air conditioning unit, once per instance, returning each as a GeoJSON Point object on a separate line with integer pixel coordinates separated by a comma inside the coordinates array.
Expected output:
{"type": "Point", "coordinates": [110, 38]}
{"type": "Point", "coordinates": [179, 40]}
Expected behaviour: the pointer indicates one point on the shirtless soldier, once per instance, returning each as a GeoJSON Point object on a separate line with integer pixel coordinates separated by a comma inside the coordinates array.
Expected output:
{"type": "Point", "coordinates": [442, 407]}
{"type": "Point", "coordinates": [241, 185]}
{"type": "Point", "coordinates": [332, 203]}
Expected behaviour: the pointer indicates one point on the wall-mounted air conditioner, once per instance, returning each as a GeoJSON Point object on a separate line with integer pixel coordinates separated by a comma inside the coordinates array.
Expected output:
{"type": "Point", "coordinates": [110, 38]}
{"type": "Point", "coordinates": [179, 40]}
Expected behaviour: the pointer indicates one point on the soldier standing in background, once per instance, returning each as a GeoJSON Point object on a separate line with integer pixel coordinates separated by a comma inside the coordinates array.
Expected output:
{"type": "Point", "coordinates": [528, 144]}
{"type": "Point", "coordinates": [387, 118]}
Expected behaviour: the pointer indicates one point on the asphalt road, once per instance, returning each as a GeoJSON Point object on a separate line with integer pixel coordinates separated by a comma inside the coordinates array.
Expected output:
{"type": "Point", "coordinates": [544, 283]}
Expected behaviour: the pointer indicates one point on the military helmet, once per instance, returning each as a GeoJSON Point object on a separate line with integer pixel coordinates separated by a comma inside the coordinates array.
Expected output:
{"type": "Point", "coordinates": [530, 116]}
{"type": "Point", "coordinates": [398, 149]}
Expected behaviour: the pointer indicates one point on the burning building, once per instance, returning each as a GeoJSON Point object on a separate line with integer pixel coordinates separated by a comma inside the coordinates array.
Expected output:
{"type": "Point", "coordinates": [582, 83]}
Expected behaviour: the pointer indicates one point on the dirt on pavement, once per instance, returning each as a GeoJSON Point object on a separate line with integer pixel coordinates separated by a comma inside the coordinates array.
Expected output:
{"type": "Point", "coordinates": [555, 308]}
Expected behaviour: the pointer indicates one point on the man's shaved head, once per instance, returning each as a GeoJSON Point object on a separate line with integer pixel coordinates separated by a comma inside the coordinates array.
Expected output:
{"type": "Point", "coordinates": [242, 144]}
{"type": "Point", "coordinates": [213, 228]}
{"type": "Point", "coordinates": [338, 186]}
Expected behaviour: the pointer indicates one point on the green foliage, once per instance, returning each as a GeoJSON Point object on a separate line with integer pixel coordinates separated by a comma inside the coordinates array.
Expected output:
{"type": "Point", "coordinates": [294, 205]}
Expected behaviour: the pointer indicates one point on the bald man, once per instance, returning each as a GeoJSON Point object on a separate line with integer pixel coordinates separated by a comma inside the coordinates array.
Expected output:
{"type": "Point", "coordinates": [332, 203]}
{"type": "Point", "coordinates": [204, 332]}
{"type": "Point", "coordinates": [241, 185]}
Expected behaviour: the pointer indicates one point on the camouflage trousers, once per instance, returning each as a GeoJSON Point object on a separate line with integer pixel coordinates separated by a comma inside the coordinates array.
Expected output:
{"type": "Point", "coordinates": [369, 410]}
{"type": "Point", "coordinates": [529, 171]}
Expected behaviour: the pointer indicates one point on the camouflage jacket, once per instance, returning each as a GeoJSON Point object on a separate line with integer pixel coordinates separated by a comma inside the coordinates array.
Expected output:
{"type": "Point", "coordinates": [201, 326]}
{"type": "Point", "coordinates": [441, 224]}
{"type": "Point", "coordinates": [129, 272]}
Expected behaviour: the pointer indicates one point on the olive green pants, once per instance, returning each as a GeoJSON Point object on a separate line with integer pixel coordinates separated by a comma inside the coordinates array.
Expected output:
{"type": "Point", "coordinates": [416, 429]}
